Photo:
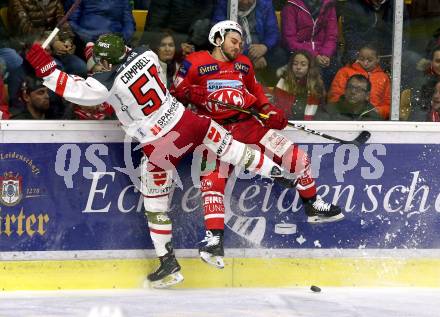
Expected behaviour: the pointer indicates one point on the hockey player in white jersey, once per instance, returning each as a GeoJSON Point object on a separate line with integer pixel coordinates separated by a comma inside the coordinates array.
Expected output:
{"type": "Point", "coordinates": [130, 83]}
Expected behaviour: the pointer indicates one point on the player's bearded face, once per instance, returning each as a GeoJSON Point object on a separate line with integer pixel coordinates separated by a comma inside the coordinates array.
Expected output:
{"type": "Point", "coordinates": [436, 98]}
{"type": "Point", "coordinates": [232, 45]}
{"type": "Point", "coordinates": [40, 99]}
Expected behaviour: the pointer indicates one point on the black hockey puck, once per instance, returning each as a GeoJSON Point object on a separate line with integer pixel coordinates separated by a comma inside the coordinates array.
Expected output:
{"type": "Point", "coordinates": [315, 289]}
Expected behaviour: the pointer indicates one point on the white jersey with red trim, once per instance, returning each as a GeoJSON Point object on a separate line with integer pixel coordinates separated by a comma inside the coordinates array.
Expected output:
{"type": "Point", "coordinates": [141, 101]}
{"type": "Point", "coordinates": [231, 82]}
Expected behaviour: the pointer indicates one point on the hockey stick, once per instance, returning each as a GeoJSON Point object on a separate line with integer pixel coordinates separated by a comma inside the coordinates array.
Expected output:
{"type": "Point", "coordinates": [60, 23]}
{"type": "Point", "coordinates": [363, 137]}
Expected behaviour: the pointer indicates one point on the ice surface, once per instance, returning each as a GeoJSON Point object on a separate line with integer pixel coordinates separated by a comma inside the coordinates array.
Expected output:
{"type": "Point", "coordinates": [234, 302]}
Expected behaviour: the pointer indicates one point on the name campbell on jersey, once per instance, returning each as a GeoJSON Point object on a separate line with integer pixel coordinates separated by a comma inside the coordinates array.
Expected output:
{"type": "Point", "coordinates": [146, 110]}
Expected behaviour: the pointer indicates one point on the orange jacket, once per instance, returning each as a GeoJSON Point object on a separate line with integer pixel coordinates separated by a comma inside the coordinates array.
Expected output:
{"type": "Point", "coordinates": [380, 95]}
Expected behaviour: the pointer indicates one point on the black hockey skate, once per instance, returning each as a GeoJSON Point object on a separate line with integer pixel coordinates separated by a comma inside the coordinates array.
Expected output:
{"type": "Point", "coordinates": [318, 211]}
{"type": "Point", "coordinates": [211, 248]}
{"type": "Point", "coordinates": [168, 272]}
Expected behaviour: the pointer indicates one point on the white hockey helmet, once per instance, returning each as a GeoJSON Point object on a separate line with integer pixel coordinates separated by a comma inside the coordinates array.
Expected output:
{"type": "Point", "coordinates": [222, 27]}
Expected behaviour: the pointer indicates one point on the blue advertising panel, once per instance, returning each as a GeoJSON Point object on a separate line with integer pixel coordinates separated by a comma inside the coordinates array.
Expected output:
{"type": "Point", "coordinates": [77, 196]}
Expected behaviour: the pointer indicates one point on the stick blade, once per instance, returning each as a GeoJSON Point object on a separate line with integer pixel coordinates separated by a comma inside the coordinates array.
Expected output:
{"type": "Point", "coordinates": [363, 137]}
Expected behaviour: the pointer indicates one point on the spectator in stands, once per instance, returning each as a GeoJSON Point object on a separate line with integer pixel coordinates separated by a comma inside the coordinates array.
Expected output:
{"type": "Point", "coordinates": [34, 19]}
{"type": "Point", "coordinates": [190, 20]}
{"type": "Point", "coordinates": [354, 105]}
{"type": "Point", "coordinates": [427, 109]}
{"type": "Point", "coordinates": [311, 25]}
{"type": "Point", "coordinates": [300, 90]}
{"type": "Point", "coordinates": [12, 68]}
{"type": "Point", "coordinates": [4, 108]}
{"type": "Point", "coordinates": [422, 84]}
{"type": "Point", "coordinates": [12, 64]}
{"type": "Point", "coordinates": [431, 65]}
{"type": "Point", "coordinates": [367, 64]}
{"type": "Point", "coordinates": [36, 99]}
{"type": "Point", "coordinates": [427, 14]}
{"type": "Point", "coordinates": [11, 59]}
{"type": "Point", "coordinates": [7, 54]}
{"type": "Point", "coordinates": [261, 34]}
{"type": "Point", "coordinates": [367, 21]}
{"type": "Point", "coordinates": [434, 114]}
{"type": "Point", "coordinates": [432, 45]}
{"type": "Point", "coordinates": [433, 68]}
{"type": "Point", "coordinates": [422, 93]}
{"type": "Point", "coordinates": [93, 18]}
{"type": "Point", "coordinates": [165, 48]}
{"type": "Point", "coordinates": [17, 76]}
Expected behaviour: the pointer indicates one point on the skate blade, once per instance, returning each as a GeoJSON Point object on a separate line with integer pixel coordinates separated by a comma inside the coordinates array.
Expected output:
{"type": "Point", "coordinates": [166, 282]}
{"type": "Point", "coordinates": [216, 261]}
{"type": "Point", "coordinates": [319, 219]}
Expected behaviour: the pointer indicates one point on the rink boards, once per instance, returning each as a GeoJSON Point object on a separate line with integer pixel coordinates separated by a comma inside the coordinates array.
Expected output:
{"type": "Point", "coordinates": [71, 218]}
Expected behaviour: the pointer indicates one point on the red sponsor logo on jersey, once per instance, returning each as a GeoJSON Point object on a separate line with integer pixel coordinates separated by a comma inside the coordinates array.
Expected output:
{"type": "Point", "coordinates": [156, 129]}
{"type": "Point", "coordinates": [206, 184]}
{"type": "Point", "coordinates": [160, 178]}
{"type": "Point", "coordinates": [229, 96]}
{"type": "Point", "coordinates": [61, 84]}
{"type": "Point", "coordinates": [214, 135]}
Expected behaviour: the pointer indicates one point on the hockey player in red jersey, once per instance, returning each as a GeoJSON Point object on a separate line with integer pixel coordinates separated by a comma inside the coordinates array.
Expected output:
{"type": "Point", "coordinates": [228, 76]}
{"type": "Point", "coordinates": [130, 82]}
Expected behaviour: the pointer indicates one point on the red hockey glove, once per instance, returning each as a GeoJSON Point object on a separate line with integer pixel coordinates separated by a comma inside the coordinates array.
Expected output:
{"type": "Point", "coordinates": [196, 94]}
{"type": "Point", "coordinates": [249, 99]}
{"type": "Point", "coordinates": [277, 118]}
{"type": "Point", "coordinates": [41, 61]}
